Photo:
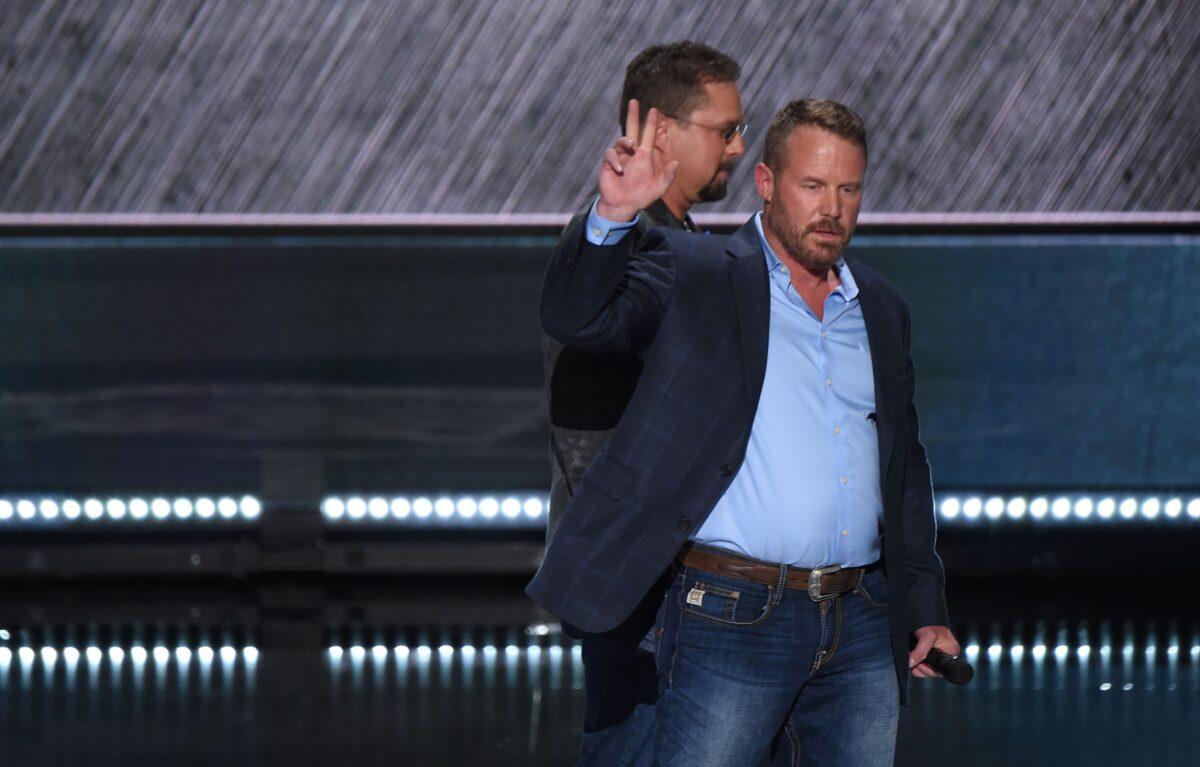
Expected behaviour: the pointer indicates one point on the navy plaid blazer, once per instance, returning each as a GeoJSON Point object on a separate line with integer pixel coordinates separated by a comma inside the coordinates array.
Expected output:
{"type": "Point", "coordinates": [697, 307]}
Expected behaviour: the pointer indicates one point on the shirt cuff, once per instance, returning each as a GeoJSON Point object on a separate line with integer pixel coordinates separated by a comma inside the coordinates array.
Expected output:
{"type": "Point", "coordinates": [601, 231]}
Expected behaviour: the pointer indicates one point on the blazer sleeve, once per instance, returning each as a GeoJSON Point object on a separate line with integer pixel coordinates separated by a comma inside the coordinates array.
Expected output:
{"type": "Point", "coordinates": [607, 298]}
{"type": "Point", "coordinates": [925, 574]}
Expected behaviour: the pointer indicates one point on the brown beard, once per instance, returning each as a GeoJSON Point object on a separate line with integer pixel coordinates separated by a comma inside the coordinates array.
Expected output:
{"type": "Point", "coordinates": [817, 259]}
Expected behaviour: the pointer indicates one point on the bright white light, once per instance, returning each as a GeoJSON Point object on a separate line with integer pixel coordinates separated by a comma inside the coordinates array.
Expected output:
{"type": "Point", "coordinates": [950, 508]}
{"type": "Point", "coordinates": [138, 508]}
{"type": "Point", "coordinates": [138, 654]}
{"type": "Point", "coordinates": [1038, 508]}
{"type": "Point", "coordinates": [1084, 508]}
{"type": "Point", "coordinates": [183, 508]}
{"type": "Point", "coordinates": [1038, 652]}
{"type": "Point", "coordinates": [444, 508]}
{"type": "Point", "coordinates": [205, 654]}
{"type": "Point", "coordinates": [160, 508]}
{"type": "Point", "coordinates": [115, 508]}
{"type": "Point", "coordinates": [161, 654]}
{"type": "Point", "coordinates": [6, 510]}
{"type": "Point", "coordinates": [994, 508]}
{"type": "Point", "coordinates": [467, 507]}
{"type": "Point", "coordinates": [356, 508]}
{"type": "Point", "coordinates": [93, 509]}
{"type": "Point", "coordinates": [334, 508]}
{"type": "Point", "coordinates": [533, 507]}
{"type": "Point", "coordinates": [401, 508]}
{"type": "Point", "coordinates": [357, 652]}
{"type": "Point", "coordinates": [49, 509]}
{"type": "Point", "coordinates": [1106, 686]}
{"type": "Point", "coordinates": [378, 508]}
{"type": "Point", "coordinates": [1151, 507]}
{"type": "Point", "coordinates": [422, 507]}
{"type": "Point", "coordinates": [335, 653]}
{"type": "Point", "coordinates": [228, 654]}
{"type": "Point", "coordinates": [26, 509]}
{"type": "Point", "coordinates": [468, 652]}
{"type": "Point", "coordinates": [26, 654]}
{"type": "Point", "coordinates": [534, 651]}
{"type": "Point", "coordinates": [1061, 508]}
{"type": "Point", "coordinates": [1017, 507]}
{"type": "Point", "coordinates": [205, 508]}
{"type": "Point", "coordinates": [512, 651]}
{"type": "Point", "coordinates": [510, 507]}
{"type": "Point", "coordinates": [972, 508]}
{"type": "Point", "coordinates": [49, 656]}
{"type": "Point", "coordinates": [71, 509]}
{"type": "Point", "coordinates": [93, 654]}
{"type": "Point", "coordinates": [445, 651]}
{"type": "Point", "coordinates": [1061, 652]}
{"type": "Point", "coordinates": [1017, 651]}
{"type": "Point", "coordinates": [250, 654]}
{"type": "Point", "coordinates": [1083, 651]}
{"type": "Point", "coordinates": [1106, 508]}
{"type": "Point", "coordinates": [1193, 508]}
{"type": "Point", "coordinates": [5, 656]}
{"type": "Point", "coordinates": [490, 507]}
{"type": "Point", "coordinates": [250, 507]}
{"type": "Point", "coordinates": [1173, 508]}
{"type": "Point", "coordinates": [401, 651]}
{"type": "Point", "coordinates": [1128, 508]}
{"type": "Point", "coordinates": [183, 655]}
{"type": "Point", "coordinates": [994, 652]}
{"type": "Point", "coordinates": [379, 651]}
{"type": "Point", "coordinates": [116, 654]}
{"type": "Point", "coordinates": [424, 652]}
{"type": "Point", "coordinates": [71, 655]}
{"type": "Point", "coordinates": [227, 507]}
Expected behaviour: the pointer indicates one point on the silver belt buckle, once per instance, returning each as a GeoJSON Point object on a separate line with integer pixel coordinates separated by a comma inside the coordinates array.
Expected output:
{"type": "Point", "coordinates": [814, 582]}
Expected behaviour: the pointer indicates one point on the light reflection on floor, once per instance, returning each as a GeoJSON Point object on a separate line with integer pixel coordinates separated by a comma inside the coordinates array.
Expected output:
{"type": "Point", "coordinates": [1086, 692]}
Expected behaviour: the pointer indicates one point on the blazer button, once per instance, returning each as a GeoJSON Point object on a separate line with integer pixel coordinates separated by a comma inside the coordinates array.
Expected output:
{"type": "Point", "coordinates": [726, 470]}
{"type": "Point", "coordinates": [685, 524]}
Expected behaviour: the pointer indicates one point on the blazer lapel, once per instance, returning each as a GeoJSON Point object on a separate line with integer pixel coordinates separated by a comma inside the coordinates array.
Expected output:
{"type": "Point", "coordinates": [885, 366]}
{"type": "Point", "coordinates": [748, 274]}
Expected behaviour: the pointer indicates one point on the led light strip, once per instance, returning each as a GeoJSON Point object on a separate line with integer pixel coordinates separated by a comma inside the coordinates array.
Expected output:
{"type": "Point", "coordinates": [523, 510]}
{"type": "Point", "coordinates": [58, 510]}
{"type": "Point", "coordinates": [116, 655]}
{"type": "Point", "coordinates": [1067, 507]}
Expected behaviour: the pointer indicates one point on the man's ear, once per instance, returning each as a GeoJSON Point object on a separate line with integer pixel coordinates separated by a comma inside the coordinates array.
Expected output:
{"type": "Point", "coordinates": [764, 182]}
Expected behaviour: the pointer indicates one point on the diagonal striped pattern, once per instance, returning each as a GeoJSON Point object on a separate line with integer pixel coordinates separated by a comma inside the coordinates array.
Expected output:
{"type": "Point", "coordinates": [429, 106]}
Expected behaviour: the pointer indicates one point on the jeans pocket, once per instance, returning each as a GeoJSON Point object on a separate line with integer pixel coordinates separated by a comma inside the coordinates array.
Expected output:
{"type": "Point", "coordinates": [725, 600]}
{"type": "Point", "coordinates": [873, 588]}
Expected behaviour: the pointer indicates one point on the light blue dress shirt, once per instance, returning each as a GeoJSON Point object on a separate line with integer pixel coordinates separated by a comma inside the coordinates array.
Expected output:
{"type": "Point", "coordinates": [807, 493]}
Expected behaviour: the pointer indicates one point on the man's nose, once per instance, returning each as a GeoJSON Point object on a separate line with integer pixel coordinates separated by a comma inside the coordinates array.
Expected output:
{"type": "Point", "coordinates": [736, 147]}
{"type": "Point", "coordinates": [831, 203]}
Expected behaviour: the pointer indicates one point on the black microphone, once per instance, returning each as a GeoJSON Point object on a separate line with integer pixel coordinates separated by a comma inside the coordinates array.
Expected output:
{"type": "Point", "coordinates": [954, 668]}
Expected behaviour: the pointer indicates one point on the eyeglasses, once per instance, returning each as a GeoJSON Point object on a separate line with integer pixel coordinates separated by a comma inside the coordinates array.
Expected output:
{"type": "Point", "coordinates": [737, 129]}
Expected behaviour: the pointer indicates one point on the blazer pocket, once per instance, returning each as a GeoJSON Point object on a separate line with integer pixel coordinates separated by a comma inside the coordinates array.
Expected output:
{"type": "Point", "coordinates": [609, 475]}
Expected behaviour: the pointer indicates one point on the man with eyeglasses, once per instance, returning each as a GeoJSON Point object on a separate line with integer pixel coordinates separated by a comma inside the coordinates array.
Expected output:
{"type": "Point", "coordinates": [588, 390]}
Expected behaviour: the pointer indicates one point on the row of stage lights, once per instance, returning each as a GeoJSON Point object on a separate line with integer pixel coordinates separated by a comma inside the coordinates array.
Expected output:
{"type": "Point", "coordinates": [994, 652]}
{"type": "Point", "coordinates": [528, 510]}
{"type": "Point", "coordinates": [117, 655]}
{"type": "Point", "coordinates": [136, 509]}
{"type": "Point", "coordinates": [1061, 508]}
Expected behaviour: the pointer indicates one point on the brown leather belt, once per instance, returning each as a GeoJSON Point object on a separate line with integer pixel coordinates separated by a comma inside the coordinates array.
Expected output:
{"type": "Point", "coordinates": [820, 583]}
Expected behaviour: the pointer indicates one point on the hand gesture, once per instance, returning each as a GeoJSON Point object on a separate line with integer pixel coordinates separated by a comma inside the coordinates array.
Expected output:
{"type": "Point", "coordinates": [629, 181]}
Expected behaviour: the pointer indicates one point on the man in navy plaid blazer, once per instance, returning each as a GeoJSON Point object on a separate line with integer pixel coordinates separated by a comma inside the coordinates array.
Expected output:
{"type": "Point", "coordinates": [698, 309]}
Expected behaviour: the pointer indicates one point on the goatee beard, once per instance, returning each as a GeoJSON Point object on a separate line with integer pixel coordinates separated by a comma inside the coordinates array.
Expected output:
{"type": "Point", "coordinates": [714, 190]}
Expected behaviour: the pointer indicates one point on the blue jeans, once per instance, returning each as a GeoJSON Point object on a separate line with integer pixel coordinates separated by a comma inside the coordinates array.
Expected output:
{"type": "Point", "coordinates": [739, 660]}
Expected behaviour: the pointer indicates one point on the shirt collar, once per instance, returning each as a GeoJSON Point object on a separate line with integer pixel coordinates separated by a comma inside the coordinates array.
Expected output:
{"type": "Point", "coordinates": [848, 289]}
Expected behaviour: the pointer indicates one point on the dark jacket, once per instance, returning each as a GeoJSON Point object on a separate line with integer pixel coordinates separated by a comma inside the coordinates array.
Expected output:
{"type": "Point", "coordinates": [588, 391]}
{"type": "Point", "coordinates": [698, 310]}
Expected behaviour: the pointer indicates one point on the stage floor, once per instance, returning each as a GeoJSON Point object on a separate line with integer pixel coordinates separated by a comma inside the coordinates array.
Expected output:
{"type": "Point", "coordinates": [415, 673]}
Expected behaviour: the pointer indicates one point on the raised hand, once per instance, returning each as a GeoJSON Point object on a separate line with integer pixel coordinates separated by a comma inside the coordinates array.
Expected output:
{"type": "Point", "coordinates": [629, 181]}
